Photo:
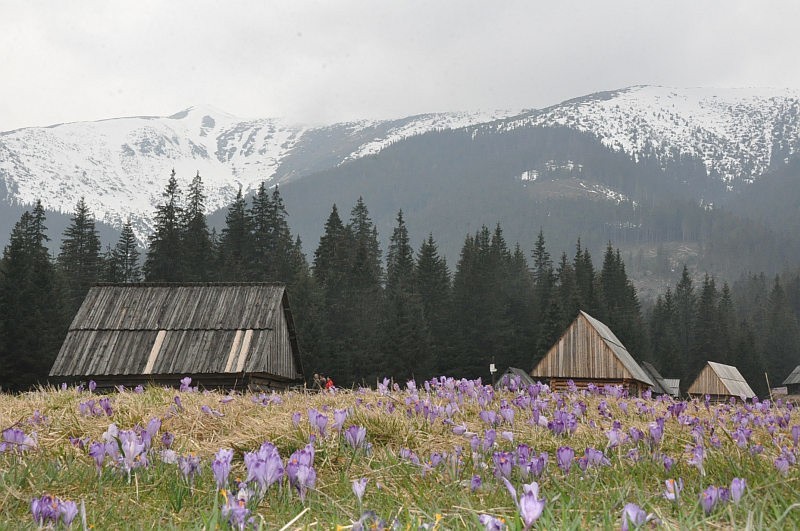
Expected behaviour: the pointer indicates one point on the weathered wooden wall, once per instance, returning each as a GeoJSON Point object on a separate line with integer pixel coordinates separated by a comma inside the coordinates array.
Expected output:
{"type": "Point", "coordinates": [708, 383]}
{"type": "Point", "coordinates": [581, 353]}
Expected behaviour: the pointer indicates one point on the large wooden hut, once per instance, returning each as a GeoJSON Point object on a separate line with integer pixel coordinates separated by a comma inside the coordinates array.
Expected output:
{"type": "Point", "coordinates": [792, 382]}
{"type": "Point", "coordinates": [221, 335]}
{"type": "Point", "coordinates": [589, 352]}
{"type": "Point", "coordinates": [720, 382]}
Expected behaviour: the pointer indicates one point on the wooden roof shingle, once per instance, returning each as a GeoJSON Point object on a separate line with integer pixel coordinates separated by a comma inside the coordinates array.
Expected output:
{"type": "Point", "coordinates": [135, 329]}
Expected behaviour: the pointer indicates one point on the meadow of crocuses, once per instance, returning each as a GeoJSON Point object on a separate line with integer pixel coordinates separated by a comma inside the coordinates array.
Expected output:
{"type": "Point", "coordinates": [442, 454]}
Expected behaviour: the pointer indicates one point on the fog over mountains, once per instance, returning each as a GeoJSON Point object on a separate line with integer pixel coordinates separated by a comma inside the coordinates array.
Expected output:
{"type": "Point", "coordinates": [604, 166]}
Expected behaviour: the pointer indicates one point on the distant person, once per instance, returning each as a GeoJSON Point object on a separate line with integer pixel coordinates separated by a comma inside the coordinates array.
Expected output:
{"type": "Point", "coordinates": [328, 384]}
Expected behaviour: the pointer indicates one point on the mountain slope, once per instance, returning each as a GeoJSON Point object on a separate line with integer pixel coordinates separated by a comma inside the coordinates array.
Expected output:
{"type": "Point", "coordinates": [120, 165]}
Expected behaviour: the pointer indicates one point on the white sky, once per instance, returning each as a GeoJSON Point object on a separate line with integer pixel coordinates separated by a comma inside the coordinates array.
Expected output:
{"type": "Point", "coordinates": [334, 60]}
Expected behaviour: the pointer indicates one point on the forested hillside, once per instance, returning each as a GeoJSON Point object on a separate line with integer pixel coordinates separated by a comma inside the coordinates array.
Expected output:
{"type": "Point", "coordinates": [407, 312]}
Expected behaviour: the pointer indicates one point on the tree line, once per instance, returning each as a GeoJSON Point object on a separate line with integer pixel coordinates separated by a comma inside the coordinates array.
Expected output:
{"type": "Point", "coordinates": [363, 315]}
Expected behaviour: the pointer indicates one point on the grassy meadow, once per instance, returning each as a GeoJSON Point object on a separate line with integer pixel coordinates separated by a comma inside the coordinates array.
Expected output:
{"type": "Point", "coordinates": [444, 454]}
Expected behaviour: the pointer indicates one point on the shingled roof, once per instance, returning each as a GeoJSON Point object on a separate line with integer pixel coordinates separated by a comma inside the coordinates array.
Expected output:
{"type": "Point", "coordinates": [156, 330]}
{"type": "Point", "coordinates": [718, 379]}
{"type": "Point", "coordinates": [588, 349]}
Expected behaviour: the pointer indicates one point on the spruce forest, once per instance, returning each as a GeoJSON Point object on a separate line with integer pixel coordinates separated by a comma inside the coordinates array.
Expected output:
{"type": "Point", "coordinates": [363, 314]}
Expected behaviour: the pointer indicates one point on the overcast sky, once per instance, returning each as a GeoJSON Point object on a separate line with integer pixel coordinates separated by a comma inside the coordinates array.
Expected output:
{"type": "Point", "coordinates": [334, 60]}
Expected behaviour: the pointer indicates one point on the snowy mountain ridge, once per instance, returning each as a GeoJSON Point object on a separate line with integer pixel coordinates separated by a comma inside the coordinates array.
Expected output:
{"type": "Point", "coordinates": [120, 166]}
{"type": "Point", "coordinates": [735, 133]}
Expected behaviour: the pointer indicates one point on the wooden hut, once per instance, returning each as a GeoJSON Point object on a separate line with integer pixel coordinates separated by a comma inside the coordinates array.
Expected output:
{"type": "Point", "coordinates": [516, 375]}
{"type": "Point", "coordinates": [221, 335]}
{"type": "Point", "coordinates": [589, 352]}
{"type": "Point", "coordinates": [792, 382]}
{"type": "Point", "coordinates": [720, 382]}
{"type": "Point", "coordinates": [663, 386]}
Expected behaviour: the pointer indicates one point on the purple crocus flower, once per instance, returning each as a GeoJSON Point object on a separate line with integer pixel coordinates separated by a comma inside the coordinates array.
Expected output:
{"type": "Point", "coordinates": [738, 486]}
{"type": "Point", "coordinates": [167, 438]}
{"type": "Point", "coordinates": [45, 510]}
{"type": "Point", "coordinates": [98, 452]}
{"type": "Point", "coordinates": [503, 464]}
{"type": "Point", "coordinates": [339, 416]}
{"type": "Point", "coordinates": [709, 498]}
{"type": "Point", "coordinates": [530, 506]}
{"type": "Point", "coordinates": [139, 389]}
{"type": "Point", "coordinates": [189, 465]}
{"type": "Point", "coordinates": [221, 466]}
{"type": "Point", "coordinates": [697, 457]}
{"type": "Point", "coordinates": [490, 523]}
{"type": "Point", "coordinates": [186, 384]}
{"type": "Point", "coordinates": [668, 462]}
{"type": "Point", "coordinates": [564, 457]}
{"type": "Point", "coordinates": [475, 483]}
{"type": "Point", "coordinates": [68, 510]}
{"type": "Point", "coordinates": [782, 464]}
{"type": "Point", "coordinates": [673, 489]}
{"type": "Point", "coordinates": [359, 486]}
{"type": "Point", "coordinates": [633, 517]}
{"type": "Point", "coordinates": [236, 511]}
{"type": "Point", "coordinates": [305, 478]}
{"type": "Point", "coordinates": [355, 435]}
{"type": "Point", "coordinates": [92, 386]}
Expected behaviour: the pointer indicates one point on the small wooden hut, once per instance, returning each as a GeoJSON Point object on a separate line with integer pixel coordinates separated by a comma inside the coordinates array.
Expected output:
{"type": "Point", "coordinates": [792, 382]}
{"type": "Point", "coordinates": [663, 386]}
{"type": "Point", "coordinates": [589, 352]}
{"type": "Point", "coordinates": [515, 374]}
{"type": "Point", "coordinates": [221, 335]}
{"type": "Point", "coordinates": [720, 382]}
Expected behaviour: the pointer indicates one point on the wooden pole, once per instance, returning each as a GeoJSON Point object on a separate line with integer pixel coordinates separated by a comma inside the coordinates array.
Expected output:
{"type": "Point", "coordinates": [768, 386]}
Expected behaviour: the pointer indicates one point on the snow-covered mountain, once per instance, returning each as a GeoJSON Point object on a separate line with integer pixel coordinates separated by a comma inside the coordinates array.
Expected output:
{"type": "Point", "coordinates": [736, 133]}
{"type": "Point", "coordinates": [120, 166]}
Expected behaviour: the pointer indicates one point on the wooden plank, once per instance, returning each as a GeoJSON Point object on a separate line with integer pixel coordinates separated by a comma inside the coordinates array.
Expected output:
{"type": "Point", "coordinates": [151, 359]}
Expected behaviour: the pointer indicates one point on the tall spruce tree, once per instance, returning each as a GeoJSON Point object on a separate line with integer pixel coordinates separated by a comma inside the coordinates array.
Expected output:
{"type": "Point", "coordinates": [402, 333]}
{"type": "Point", "coordinates": [79, 260]}
{"type": "Point", "coordinates": [122, 264]}
{"type": "Point", "coordinates": [364, 290]}
{"type": "Point", "coordinates": [32, 323]}
{"type": "Point", "coordinates": [432, 282]}
{"type": "Point", "coordinates": [198, 254]}
{"type": "Point", "coordinates": [685, 317]}
{"type": "Point", "coordinates": [164, 262]}
{"type": "Point", "coordinates": [331, 267]}
{"type": "Point", "coordinates": [235, 243]}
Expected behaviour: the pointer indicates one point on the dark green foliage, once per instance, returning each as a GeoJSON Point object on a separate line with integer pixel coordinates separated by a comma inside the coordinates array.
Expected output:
{"type": "Point", "coordinates": [122, 262]}
{"type": "Point", "coordinates": [235, 243]}
{"type": "Point", "coordinates": [31, 318]}
{"type": "Point", "coordinates": [403, 333]}
{"type": "Point", "coordinates": [79, 261]}
{"type": "Point", "coordinates": [198, 253]}
{"type": "Point", "coordinates": [164, 262]}
{"type": "Point", "coordinates": [432, 283]}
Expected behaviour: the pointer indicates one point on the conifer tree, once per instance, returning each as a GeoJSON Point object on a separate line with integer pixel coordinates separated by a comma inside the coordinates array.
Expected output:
{"type": "Point", "coordinates": [331, 267]}
{"type": "Point", "coordinates": [79, 260]}
{"type": "Point", "coordinates": [198, 258]}
{"type": "Point", "coordinates": [164, 262]}
{"type": "Point", "coordinates": [364, 291]}
{"type": "Point", "coordinates": [685, 314]}
{"type": "Point", "coordinates": [235, 243]}
{"type": "Point", "coordinates": [706, 342]}
{"type": "Point", "coordinates": [122, 264]}
{"type": "Point", "coordinates": [31, 319]}
{"type": "Point", "coordinates": [432, 283]}
{"type": "Point", "coordinates": [403, 331]}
